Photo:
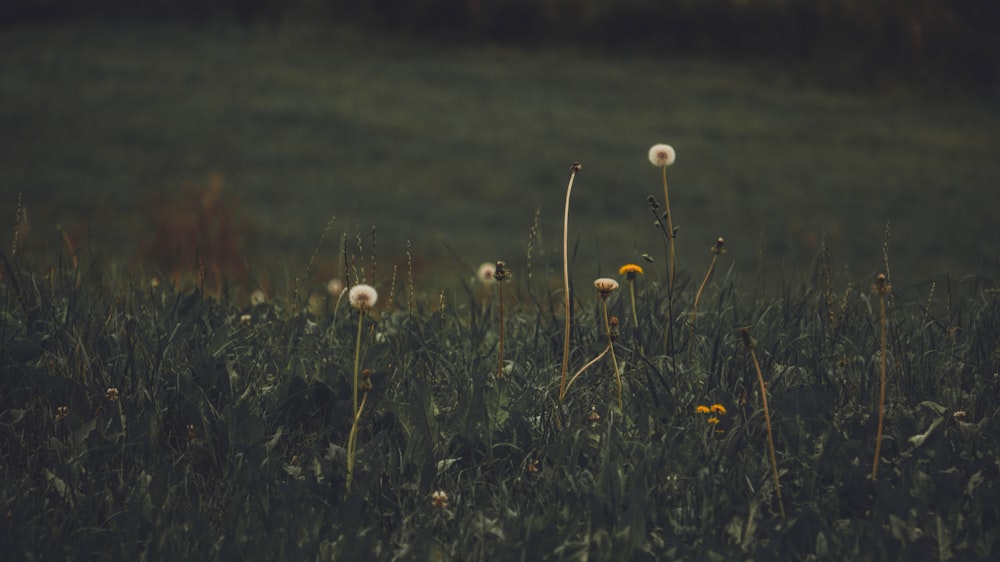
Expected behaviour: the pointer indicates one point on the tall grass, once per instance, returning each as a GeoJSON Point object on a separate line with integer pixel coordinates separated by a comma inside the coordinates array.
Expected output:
{"type": "Point", "coordinates": [148, 420]}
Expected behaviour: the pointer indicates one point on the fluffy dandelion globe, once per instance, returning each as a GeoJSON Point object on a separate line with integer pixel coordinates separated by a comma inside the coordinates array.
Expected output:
{"type": "Point", "coordinates": [363, 297]}
{"type": "Point", "coordinates": [662, 155]}
{"type": "Point", "coordinates": [334, 287]}
{"type": "Point", "coordinates": [487, 273]}
{"type": "Point", "coordinates": [258, 297]}
{"type": "Point", "coordinates": [605, 286]}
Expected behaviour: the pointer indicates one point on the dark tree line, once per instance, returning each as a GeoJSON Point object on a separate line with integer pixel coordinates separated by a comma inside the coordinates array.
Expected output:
{"type": "Point", "coordinates": [961, 37]}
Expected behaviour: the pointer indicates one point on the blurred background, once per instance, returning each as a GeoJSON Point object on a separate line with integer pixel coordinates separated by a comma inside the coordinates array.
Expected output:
{"type": "Point", "coordinates": [167, 133]}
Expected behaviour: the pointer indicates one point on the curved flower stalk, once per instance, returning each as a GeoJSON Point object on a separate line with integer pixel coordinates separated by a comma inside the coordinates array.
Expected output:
{"type": "Point", "coordinates": [565, 360]}
{"type": "Point", "coordinates": [717, 251]}
{"type": "Point", "coordinates": [750, 344]}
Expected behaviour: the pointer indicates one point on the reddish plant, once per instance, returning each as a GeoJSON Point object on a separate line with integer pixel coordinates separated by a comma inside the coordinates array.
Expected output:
{"type": "Point", "coordinates": [197, 236]}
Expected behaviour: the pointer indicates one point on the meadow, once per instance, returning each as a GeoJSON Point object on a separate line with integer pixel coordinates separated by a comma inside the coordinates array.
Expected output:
{"type": "Point", "coordinates": [143, 421]}
{"type": "Point", "coordinates": [466, 143]}
{"type": "Point", "coordinates": [825, 388]}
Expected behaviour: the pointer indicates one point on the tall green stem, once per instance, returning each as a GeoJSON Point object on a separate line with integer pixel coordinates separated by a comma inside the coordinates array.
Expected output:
{"type": "Point", "coordinates": [500, 353]}
{"type": "Point", "coordinates": [631, 296]}
{"type": "Point", "coordinates": [881, 392]}
{"type": "Point", "coordinates": [611, 346]}
{"type": "Point", "coordinates": [357, 362]}
{"type": "Point", "coordinates": [672, 268]}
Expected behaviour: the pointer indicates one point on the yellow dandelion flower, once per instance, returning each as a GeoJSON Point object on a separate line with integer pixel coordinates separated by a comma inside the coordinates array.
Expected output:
{"type": "Point", "coordinates": [718, 409]}
{"type": "Point", "coordinates": [699, 409]}
{"type": "Point", "coordinates": [630, 270]}
{"type": "Point", "coordinates": [713, 420]}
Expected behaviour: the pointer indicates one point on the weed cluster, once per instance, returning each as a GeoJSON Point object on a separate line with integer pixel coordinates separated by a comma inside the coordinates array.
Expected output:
{"type": "Point", "coordinates": [153, 421]}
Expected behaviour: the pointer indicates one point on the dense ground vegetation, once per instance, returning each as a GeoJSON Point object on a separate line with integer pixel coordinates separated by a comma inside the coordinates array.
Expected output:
{"type": "Point", "coordinates": [140, 420]}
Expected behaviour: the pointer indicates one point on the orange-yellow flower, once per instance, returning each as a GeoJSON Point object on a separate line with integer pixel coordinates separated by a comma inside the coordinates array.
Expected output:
{"type": "Point", "coordinates": [718, 409]}
{"type": "Point", "coordinates": [713, 420]}
{"type": "Point", "coordinates": [699, 409]}
{"type": "Point", "coordinates": [630, 270]}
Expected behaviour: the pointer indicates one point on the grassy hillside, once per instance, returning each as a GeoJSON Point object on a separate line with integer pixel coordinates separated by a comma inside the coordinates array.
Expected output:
{"type": "Point", "coordinates": [466, 144]}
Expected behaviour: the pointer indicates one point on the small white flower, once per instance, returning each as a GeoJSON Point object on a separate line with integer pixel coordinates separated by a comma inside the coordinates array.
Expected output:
{"type": "Point", "coordinates": [334, 287]}
{"type": "Point", "coordinates": [662, 155]}
{"type": "Point", "coordinates": [363, 297]}
{"type": "Point", "coordinates": [258, 297]}
{"type": "Point", "coordinates": [605, 286]}
{"type": "Point", "coordinates": [486, 273]}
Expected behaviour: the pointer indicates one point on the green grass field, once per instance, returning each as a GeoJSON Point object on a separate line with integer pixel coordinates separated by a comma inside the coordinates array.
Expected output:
{"type": "Point", "coordinates": [429, 142]}
{"type": "Point", "coordinates": [138, 422]}
{"type": "Point", "coordinates": [147, 420]}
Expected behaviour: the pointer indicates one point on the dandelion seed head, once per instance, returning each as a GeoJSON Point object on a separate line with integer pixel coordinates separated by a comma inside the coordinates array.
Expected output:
{"type": "Point", "coordinates": [605, 286]}
{"type": "Point", "coordinates": [487, 273]}
{"type": "Point", "coordinates": [258, 297]}
{"type": "Point", "coordinates": [363, 297]}
{"type": "Point", "coordinates": [334, 287]}
{"type": "Point", "coordinates": [662, 155]}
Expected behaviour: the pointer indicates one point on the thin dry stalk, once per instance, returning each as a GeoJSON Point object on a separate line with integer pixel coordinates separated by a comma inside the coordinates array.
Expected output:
{"type": "Point", "coordinates": [748, 341]}
{"type": "Point", "coordinates": [565, 360]}
{"type": "Point", "coordinates": [716, 251]}
{"type": "Point", "coordinates": [882, 288]}
{"type": "Point", "coordinates": [587, 366]}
